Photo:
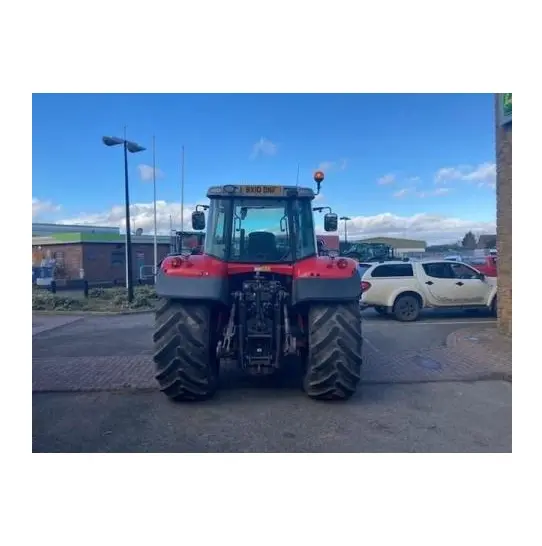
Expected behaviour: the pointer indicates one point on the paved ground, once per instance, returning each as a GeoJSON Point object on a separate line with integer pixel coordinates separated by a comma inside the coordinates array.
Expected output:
{"type": "Point", "coordinates": [94, 391]}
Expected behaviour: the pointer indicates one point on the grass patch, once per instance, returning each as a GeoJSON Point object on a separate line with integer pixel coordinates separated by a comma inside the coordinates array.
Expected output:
{"type": "Point", "coordinates": [99, 299]}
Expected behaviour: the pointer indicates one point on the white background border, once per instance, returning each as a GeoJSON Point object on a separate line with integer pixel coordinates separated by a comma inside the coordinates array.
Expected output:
{"type": "Point", "coordinates": [289, 46]}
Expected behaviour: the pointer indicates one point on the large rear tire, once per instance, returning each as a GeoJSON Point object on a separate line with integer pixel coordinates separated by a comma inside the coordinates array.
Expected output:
{"type": "Point", "coordinates": [184, 351]}
{"type": "Point", "coordinates": [334, 358]}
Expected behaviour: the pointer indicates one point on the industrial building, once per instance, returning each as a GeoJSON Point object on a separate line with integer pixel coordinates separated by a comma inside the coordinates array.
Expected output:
{"type": "Point", "coordinates": [94, 253]}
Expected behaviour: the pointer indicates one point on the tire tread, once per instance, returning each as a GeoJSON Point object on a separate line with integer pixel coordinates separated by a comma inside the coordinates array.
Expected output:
{"type": "Point", "coordinates": [334, 360]}
{"type": "Point", "coordinates": [183, 354]}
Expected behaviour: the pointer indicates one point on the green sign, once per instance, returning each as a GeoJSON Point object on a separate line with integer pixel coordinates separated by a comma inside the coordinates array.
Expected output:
{"type": "Point", "coordinates": [507, 104]}
{"type": "Point", "coordinates": [506, 109]}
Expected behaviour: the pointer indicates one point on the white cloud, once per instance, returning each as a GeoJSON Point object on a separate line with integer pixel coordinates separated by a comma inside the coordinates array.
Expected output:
{"type": "Point", "coordinates": [437, 192]}
{"type": "Point", "coordinates": [484, 174]}
{"type": "Point", "coordinates": [263, 147]}
{"type": "Point", "coordinates": [446, 174]}
{"type": "Point", "coordinates": [339, 165]}
{"type": "Point", "coordinates": [412, 191]}
{"type": "Point", "coordinates": [386, 179]}
{"type": "Point", "coordinates": [141, 216]}
{"type": "Point", "coordinates": [40, 208]}
{"type": "Point", "coordinates": [401, 193]}
{"type": "Point", "coordinates": [434, 229]}
{"type": "Point", "coordinates": [145, 172]}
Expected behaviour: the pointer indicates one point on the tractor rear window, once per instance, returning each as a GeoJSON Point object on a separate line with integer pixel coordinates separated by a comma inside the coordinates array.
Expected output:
{"type": "Point", "coordinates": [262, 230]}
{"type": "Point", "coordinates": [392, 270]}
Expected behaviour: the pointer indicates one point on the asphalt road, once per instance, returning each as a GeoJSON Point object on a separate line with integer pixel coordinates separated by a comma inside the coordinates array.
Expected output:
{"type": "Point", "coordinates": [407, 403]}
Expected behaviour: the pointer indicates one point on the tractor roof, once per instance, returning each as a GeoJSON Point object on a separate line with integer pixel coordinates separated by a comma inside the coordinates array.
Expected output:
{"type": "Point", "coordinates": [259, 191]}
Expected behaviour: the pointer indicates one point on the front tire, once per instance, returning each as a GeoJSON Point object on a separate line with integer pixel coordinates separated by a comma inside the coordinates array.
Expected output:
{"type": "Point", "coordinates": [184, 351]}
{"type": "Point", "coordinates": [334, 357]}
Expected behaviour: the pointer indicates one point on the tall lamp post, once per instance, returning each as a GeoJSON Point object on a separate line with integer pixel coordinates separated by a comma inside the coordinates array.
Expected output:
{"type": "Point", "coordinates": [155, 270]}
{"type": "Point", "coordinates": [133, 148]}
{"type": "Point", "coordinates": [346, 219]}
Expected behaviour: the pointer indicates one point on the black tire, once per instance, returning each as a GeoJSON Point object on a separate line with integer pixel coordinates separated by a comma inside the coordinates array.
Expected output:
{"type": "Point", "coordinates": [493, 307]}
{"type": "Point", "coordinates": [407, 308]}
{"type": "Point", "coordinates": [184, 352]}
{"type": "Point", "coordinates": [334, 360]}
{"type": "Point", "coordinates": [381, 310]}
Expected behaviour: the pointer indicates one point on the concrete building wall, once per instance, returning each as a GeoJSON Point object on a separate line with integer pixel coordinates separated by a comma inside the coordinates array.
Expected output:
{"type": "Point", "coordinates": [504, 221]}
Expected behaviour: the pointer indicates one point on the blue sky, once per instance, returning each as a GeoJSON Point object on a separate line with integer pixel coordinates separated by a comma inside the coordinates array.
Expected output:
{"type": "Point", "coordinates": [420, 165]}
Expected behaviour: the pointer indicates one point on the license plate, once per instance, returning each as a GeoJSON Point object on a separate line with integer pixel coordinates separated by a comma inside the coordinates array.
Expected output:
{"type": "Point", "coordinates": [262, 190]}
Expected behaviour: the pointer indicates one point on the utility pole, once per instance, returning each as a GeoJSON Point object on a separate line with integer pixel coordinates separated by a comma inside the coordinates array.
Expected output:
{"type": "Point", "coordinates": [182, 199]}
{"type": "Point", "coordinates": [129, 279]}
{"type": "Point", "coordinates": [154, 204]}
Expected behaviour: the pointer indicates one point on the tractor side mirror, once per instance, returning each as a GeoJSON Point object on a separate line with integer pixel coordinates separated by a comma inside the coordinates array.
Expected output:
{"type": "Point", "coordinates": [198, 220]}
{"type": "Point", "coordinates": [331, 221]}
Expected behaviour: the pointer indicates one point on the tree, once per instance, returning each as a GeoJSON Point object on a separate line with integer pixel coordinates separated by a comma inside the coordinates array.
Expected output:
{"type": "Point", "coordinates": [469, 241]}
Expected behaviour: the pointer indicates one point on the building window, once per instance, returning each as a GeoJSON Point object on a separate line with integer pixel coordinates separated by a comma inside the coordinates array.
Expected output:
{"type": "Point", "coordinates": [118, 258]}
{"type": "Point", "coordinates": [393, 270]}
{"type": "Point", "coordinates": [59, 256]}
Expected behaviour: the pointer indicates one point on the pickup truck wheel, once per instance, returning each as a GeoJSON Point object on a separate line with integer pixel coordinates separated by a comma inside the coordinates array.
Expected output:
{"type": "Point", "coordinates": [494, 306]}
{"type": "Point", "coordinates": [406, 308]}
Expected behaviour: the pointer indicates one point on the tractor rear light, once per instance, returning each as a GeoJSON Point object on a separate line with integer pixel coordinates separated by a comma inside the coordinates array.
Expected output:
{"type": "Point", "coordinates": [342, 263]}
{"type": "Point", "coordinates": [365, 286]}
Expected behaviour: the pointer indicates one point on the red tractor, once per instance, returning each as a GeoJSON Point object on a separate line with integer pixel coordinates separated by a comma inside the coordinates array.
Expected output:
{"type": "Point", "coordinates": [259, 295]}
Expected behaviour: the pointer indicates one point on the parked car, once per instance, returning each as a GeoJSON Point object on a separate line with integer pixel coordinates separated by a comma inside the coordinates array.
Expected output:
{"type": "Point", "coordinates": [403, 289]}
{"type": "Point", "coordinates": [484, 264]}
{"type": "Point", "coordinates": [362, 268]}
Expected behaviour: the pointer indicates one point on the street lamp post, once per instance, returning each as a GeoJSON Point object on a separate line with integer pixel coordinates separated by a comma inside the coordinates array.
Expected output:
{"type": "Point", "coordinates": [155, 269]}
{"type": "Point", "coordinates": [133, 148]}
{"type": "Point", "coordinates": [346, 219]}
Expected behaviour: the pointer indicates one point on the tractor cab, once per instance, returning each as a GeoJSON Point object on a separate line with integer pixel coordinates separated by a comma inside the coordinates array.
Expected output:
{"type": "Point", "coordinates": [260, 223]}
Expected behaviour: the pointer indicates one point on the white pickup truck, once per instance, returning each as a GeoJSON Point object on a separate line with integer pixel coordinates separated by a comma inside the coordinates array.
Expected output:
{"type": "Point", "coordinates": [404, 288]}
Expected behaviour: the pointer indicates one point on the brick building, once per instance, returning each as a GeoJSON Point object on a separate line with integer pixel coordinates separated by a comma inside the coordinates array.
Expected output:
{"type": "Point", "coordinates": [97, 257]}
{"type": "Point", "coordinates": [503, 109]}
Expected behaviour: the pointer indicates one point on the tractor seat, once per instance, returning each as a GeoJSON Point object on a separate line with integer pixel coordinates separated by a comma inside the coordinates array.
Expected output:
{"type": "Point", "coordinates": [262, 244]}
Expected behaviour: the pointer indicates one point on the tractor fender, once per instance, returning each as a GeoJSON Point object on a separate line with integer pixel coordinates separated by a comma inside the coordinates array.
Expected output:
{"type": "Point", "coordinates": [324, 279]}
{"type": "Point", "coordinates": [196, 277]}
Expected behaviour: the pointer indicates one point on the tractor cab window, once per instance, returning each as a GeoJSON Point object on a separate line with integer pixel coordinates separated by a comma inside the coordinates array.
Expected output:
{"type": "Point", "coordinates": [304, 229]}
{"type": "Point", "coordinates": [215, 241]}
{"type": "Point", "coordinates": [260, 230]}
